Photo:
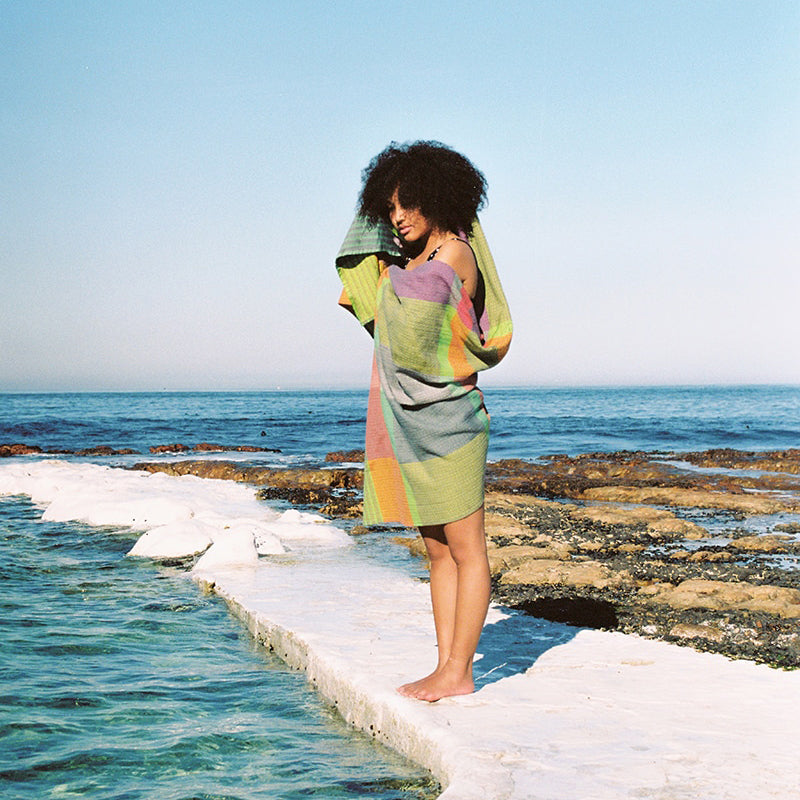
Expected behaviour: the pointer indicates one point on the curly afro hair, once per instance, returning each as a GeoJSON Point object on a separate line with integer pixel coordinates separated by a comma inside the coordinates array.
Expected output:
{"type": "Point", "coordinates": [440, 183]}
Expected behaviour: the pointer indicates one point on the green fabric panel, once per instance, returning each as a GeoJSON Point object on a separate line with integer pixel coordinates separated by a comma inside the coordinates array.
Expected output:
{"type": "Point", "coordinates": [359, 267]}
{"type": "Point", "coordinates": [496, 303]}
{"type": "Point", "coordinates": [416, 328]}
{"type": "Point", "coordinates": [361, 285]}
{"type": "Point", "coordinates": [421, 335]}
{"type": "Point", "coordinates": [371, 513]}
{"type": "Point", "coordinates": [449, 488]}
{"type": "Point", "coordinates": [362, 239]}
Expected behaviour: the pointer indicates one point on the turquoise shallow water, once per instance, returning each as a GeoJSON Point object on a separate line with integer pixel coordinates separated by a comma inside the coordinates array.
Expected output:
{"type": "Point", "coordinates": [122, 680]}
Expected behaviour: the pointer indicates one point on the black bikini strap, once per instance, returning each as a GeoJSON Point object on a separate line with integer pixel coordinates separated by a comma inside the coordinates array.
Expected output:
{"type": "Point", "coordinates": [451, 239]}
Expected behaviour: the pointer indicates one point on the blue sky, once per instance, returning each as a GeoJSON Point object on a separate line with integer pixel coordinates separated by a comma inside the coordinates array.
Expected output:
{"type": "Point", "coordinates": [177, 179]}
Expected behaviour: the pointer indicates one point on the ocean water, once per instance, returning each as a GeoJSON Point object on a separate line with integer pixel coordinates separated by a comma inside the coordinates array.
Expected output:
{"type": "Point", "coordinates": [120, 679]}
{"type": "Point", "coordinates": [304, 425]}
{"type": "Point", "coordinates": [531, 423]}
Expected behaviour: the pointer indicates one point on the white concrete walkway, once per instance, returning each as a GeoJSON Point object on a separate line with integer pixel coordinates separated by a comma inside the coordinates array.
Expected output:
{"type": "Point", "coordinates": [564, 714]}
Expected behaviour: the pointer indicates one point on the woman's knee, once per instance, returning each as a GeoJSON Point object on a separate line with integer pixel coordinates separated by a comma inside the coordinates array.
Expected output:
{"type": "Point", "coordinates": [466, 538]}
{"type": "Point", "coordinates": [469, 555]}
{"type": "Point", "coordinates": [437, 548]}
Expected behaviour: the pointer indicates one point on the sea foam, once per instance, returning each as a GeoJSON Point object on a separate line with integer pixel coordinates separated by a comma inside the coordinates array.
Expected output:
{"type": "Point", "coordinates": [179, 516]}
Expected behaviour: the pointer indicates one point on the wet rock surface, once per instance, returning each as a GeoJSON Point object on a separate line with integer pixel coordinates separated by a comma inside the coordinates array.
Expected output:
{"type": "Point", "coordinates": [768, 461]}
{"type": "Point", "coordinates": [656, 544]}
{"type": "Point", "coordinates": [9, 450]}
{"type": "Point", "coordinates": [208, 447]}
{"type": "Point", "coordinates": [335, 492]}
{"type": "Point", "coordinates": [21, 449]}
{"type": "Point", "coordinates": [345, 456]}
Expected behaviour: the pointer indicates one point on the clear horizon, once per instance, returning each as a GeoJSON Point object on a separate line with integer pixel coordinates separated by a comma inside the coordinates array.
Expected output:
{"type": "Point", "coordinates": [178, 180]}
{"type": "Point", "coordinates": [365, 389]}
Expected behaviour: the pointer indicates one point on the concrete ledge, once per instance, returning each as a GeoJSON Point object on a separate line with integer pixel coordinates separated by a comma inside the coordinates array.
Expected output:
{"type": "Point", "coordinates": [371, 707]}
{"type": "Point", "coordinates": [560, 713]}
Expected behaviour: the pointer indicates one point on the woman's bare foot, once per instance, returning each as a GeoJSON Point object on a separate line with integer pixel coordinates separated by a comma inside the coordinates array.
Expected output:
{"type": "Point", "coordinates": [408, 689]}
{"type": "Point", "coordinates": [448, 681]}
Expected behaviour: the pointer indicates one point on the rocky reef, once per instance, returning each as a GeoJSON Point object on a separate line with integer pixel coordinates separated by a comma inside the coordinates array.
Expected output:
{"type": "Point", "coordinates": [8, 450]}
{"type": "Point", "coordinates": [21, 449]}
{"type": "Point", "coordinates": [700, 549]}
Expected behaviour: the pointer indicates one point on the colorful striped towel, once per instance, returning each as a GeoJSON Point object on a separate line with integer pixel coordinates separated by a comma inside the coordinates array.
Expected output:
{"type": "Point", "coordinates": [427, 428]}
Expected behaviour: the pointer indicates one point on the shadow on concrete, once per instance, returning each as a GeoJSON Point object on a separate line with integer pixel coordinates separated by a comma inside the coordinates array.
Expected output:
{"type": "Point", "coordinates": [512, 645]}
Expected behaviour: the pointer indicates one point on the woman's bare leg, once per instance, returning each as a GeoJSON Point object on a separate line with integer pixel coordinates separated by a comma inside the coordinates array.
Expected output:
{"type": "Point", "coordinates": [460, 588]}
{"type": "Point", "coordinates": [443, 587]}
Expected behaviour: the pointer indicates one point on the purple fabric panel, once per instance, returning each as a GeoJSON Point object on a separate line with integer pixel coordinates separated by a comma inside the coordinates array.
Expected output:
{"type": "Point", "coordinates": [432, 281]}
{"type": "Point", "coordinates": [436, 282]}
{"type": "Point", "coordinates": [484, 321]}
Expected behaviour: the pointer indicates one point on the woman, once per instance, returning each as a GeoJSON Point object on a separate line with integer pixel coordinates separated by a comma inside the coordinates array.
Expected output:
{"type": "Point", "coordinates": [418, 274]}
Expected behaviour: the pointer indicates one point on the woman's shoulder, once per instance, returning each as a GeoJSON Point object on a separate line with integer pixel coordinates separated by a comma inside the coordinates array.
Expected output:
{"type": "Point", "coordinates": [458, 255]}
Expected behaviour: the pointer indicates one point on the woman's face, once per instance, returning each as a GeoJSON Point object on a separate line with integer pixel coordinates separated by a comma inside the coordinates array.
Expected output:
{"type": "Point", "coordinates": [409, 222]}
